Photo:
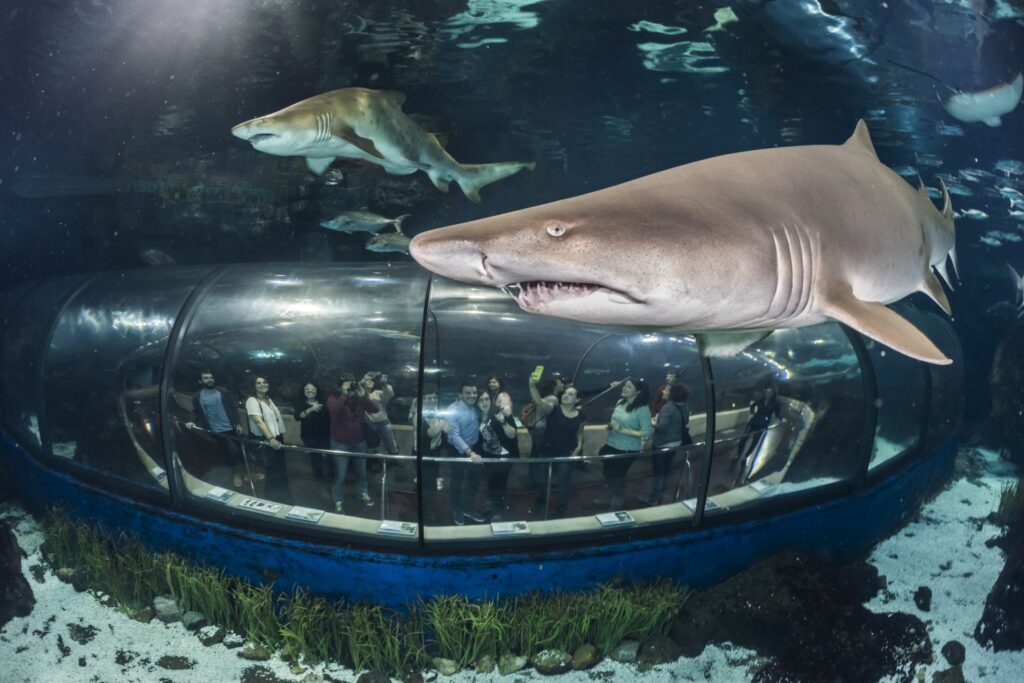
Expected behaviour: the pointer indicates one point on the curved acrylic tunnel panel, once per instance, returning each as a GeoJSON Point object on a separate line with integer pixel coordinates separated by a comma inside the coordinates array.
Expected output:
{"type": "Point", "coordinates": [475, 333]}
{"type": "Point", "coordinates": [27, 325]}
{"type": "Point", "coordinates": [103, 369]}
{"type": "Point", "coordinates": [294, 325]}
{"type": "Point", "coordinates": [812, 436]}
{"type": "Point", "coordinates": [946, 394]}
{"type": "Point", "coordinates": [10, 297]}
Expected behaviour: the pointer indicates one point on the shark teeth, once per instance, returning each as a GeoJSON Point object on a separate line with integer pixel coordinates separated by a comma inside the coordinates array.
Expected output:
{"type": "Point", "coordinates": [533, 294]}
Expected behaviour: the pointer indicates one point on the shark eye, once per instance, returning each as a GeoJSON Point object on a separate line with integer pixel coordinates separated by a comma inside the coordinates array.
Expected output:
{"type": "Point", "coordinates": [556, 229]}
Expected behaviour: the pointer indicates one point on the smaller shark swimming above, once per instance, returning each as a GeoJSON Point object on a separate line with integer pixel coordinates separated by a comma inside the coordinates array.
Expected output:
{"type": "Point", "coordinates": [358, 123]}
{"type": "Point", "coordinates": [987, 106]}
{"type": "Point", "coordinates": [728, 248]}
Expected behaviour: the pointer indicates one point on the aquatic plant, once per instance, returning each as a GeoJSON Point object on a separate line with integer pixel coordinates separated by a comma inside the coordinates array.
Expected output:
{"type": "Point", "coordinates": [383, 640]}
{"type": "Point", "coordinates": [313, 629]}
{"type": "Point", "coordinates": [463, 631]}
{"type": "Point", "coordinates": [1011, 503]}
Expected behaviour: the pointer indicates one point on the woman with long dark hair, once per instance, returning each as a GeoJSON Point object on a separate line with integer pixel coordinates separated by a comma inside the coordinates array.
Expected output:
{"type": "Point", "coordinates": [628, 429]}
{"type": "Point", "coordinates": [671, 432]}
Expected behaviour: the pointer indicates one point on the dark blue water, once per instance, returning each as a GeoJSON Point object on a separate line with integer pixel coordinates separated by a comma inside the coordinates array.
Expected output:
{"type": "Point", "coordinates": [107, 93]}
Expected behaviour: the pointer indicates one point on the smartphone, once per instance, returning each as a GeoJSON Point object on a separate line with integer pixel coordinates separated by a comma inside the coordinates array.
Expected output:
{"type": "Point", "coordinates": [537, 372]}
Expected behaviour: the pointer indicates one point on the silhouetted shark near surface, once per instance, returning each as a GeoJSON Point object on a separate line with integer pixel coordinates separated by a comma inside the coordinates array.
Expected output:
{"type": "Point", "coordinates": [359, 123]}
{"type": "Point", "coordinates": [728, 248]}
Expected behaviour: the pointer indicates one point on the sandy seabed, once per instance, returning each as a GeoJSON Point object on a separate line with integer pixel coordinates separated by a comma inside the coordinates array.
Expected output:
{"type": "Point", "coordinates": [942, 548]}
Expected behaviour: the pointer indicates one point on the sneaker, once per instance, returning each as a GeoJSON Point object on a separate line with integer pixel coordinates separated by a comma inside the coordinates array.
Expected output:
{"type": "Point", "coordinates": [339, 507]}
{"type": "Point", "coordinates": [365, 497]}
{"type": "Point", "coordinates": [457, 518]}
{"type": "Point", "coordinates": [474, 517]}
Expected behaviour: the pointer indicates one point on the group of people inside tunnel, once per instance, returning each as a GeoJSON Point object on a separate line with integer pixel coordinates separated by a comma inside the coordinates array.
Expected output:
{"type": "Point", "coordinates": [459, 440]}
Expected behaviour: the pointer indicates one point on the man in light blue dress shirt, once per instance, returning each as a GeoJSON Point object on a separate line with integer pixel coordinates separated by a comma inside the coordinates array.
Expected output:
{"type": "Point", "coordinates": [463, 435]}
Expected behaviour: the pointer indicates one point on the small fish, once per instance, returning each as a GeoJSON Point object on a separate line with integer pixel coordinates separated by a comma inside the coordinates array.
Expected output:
{"type": "Point", "coordinates": [389, 241]}
{"type": "Point", "coordinates": [157, 258]}
{"type": "Point", "coordinates": [974, 214]}
{"type": "Point", "coordinates": [1010, 167]}
{"type": "Point", "coordinates": [362, 221]}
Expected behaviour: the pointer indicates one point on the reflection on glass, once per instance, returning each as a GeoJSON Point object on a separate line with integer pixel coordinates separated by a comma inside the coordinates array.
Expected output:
{"type": "Point", "coordinates": [26, 327]}
{"type": "Point", "coordinates": [316, 369]}
{"type": "Point", "coordinates": [102, 379]}
{"type": "Point", "coordinates": [790, 417]}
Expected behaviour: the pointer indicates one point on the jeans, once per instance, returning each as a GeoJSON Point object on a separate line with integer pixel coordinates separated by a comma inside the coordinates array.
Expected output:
{"type": "Point", "coordinates": [615, 476]}
{"type": "Point", "coordinates": [341, 469]}
{"type": "Point", "coordinates": [562, 472]}
{"type": "Point", "coordinates": [661, 463]}
{"type": "Point", "coordinates": [469, 472]}
{"type": "Point", "coordinates": [386, 432]}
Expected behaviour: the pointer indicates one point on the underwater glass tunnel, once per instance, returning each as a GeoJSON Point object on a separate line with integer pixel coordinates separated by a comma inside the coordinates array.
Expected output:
{"type": "Point", "coordinates": [101, 390]}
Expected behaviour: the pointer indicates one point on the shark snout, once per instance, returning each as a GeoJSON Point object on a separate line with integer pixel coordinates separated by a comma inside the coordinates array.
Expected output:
{"type": "Point", "coordinates": [254, 130]}
{"type": "Point", "coordinates": [453, 257]}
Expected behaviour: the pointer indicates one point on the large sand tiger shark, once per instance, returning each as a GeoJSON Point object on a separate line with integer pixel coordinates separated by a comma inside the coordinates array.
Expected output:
{"type": "Point", "coordinates": [358, 123]}
{"type": "Point", "coordinates": [729, 248]}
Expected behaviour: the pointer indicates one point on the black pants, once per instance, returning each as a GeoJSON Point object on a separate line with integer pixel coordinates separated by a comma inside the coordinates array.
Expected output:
{"type": "Point", "coordinates": [470, 473]}
{"type": "Point", "coordinates": [615, 475]}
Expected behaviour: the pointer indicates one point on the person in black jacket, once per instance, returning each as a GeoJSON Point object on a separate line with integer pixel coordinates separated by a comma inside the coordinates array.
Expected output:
{"type": "Point", "coordinates": [215, 410]}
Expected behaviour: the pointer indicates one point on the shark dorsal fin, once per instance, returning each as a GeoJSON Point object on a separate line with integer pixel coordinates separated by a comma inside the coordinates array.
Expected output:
{"type": "Point", "coordinates": [397, 97]}
{"type": "Point", "coordinates": [947, 202]}
{"type": "Point", "coordinates": [861, 138]}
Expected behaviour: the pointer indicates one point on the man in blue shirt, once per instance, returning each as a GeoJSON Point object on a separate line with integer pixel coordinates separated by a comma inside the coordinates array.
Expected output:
{"type": "Point", "coordinates": [215, 409]}
{"type": "Point", "coordinates": [463, 435]}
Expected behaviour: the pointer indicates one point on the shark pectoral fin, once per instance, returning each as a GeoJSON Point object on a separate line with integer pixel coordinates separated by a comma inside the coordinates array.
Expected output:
{"type": "Point", "coordinates": [365, 144]}
{"type": "Point", "coordinates": [440, 182]}
{"type": "Point", "coordinates": [993, 121]}
{"type": "Point", "coordinates": [944, 274]}
{"type": "Point", "coordinates": [933, 288]}
{"type": "Point", "coordinates": [719, 344]}
{"type": "Point", "coordinates": [318, 164]}
{"type": "Point", "coordinates": [874, 320]}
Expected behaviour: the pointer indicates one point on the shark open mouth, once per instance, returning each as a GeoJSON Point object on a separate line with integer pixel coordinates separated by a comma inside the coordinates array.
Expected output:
{"type": "Point", "coordinates": [530, 295]}
{"type": "Point", "coordinates": [259, 137]}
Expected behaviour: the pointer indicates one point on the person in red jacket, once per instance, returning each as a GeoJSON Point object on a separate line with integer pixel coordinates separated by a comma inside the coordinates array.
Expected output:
{"type": "Point", "coordinates": [347, 410]}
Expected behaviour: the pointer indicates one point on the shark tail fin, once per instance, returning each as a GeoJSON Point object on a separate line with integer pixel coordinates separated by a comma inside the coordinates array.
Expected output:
{"type": "Point", "coordinates": [472, 177]}
{"type": "Point", "coordinates": [398, 221]}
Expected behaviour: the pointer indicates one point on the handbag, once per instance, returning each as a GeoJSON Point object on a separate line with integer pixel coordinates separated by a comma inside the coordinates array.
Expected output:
{"type": "Point", "coordinates": [370, 435]}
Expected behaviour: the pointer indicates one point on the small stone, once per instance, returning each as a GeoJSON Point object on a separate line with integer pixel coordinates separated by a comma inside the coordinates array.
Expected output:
{"type": "Point", "coordinates": [585, 657]}
{"type": "Point", "coordinates": [659, 650]}
{"type": "Point", "coordinates": [296, 668]}
{"type": "Point", "coordinates": [446, 667]}
{"type": "Point", "coordinates": [312, 677]}
{"type": "Point", "coordinates": [373, 677]}
{"type": "Point", "coordinates": [193, 621]}
{"type": "Point", "coordinates": [552, 662]}
{"type": "Point", "coordinates": [626, 652]}
{"type": "Point", "coordinates": [486, 664]}
{"type": "Point", "coordinates": [414, 677]}
{"type": "Point", "coordinates": [210, 635]}
{"type": "Point", "coordinates": [81, 661]}
{"type": "Point", "coordinates": [65, 574]}
{"type": "Point", "coordinates": [923, 598]}
{"type": "Point", "coordinates": [509, 664]}
{"type": "Point", "coordinates": [166, 609]}
{"type": "Point", "coordinates": [953, 675]}
{"type": "Point", "coordinates": [255, 653]}
{"type": "Point", "coordinates": [82, 635]}
{"type": "Point", "coordinates": [233, 640]}
{"type": "Point", "coordinates": [143, 615]}
{"type": "Point", "coordinates": [954, 652]}
{"type": "Point", "coordinates": [175, 663]}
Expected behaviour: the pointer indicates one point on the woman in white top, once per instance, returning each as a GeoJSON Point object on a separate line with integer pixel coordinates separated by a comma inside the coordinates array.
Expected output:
{"type": "Point", "coordinates": [267, 426]}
